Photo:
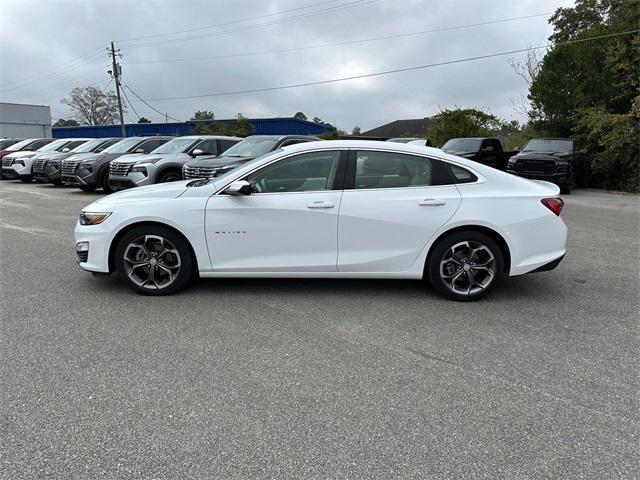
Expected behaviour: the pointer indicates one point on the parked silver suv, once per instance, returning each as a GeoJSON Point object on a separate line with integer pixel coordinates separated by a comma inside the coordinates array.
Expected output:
{"type": "Point", "coordinates": [165, 163]}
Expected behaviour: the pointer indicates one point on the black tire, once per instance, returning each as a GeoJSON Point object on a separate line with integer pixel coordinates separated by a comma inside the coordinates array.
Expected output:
{"type": "Point", "coordinates": [565, 189]}
{"type": "Point", "coordinates": [87, 188]}
{"type": "Point", "coordinates": [105, 183]}
{"type": "Point", "coordinates": [138, 278]}
{"type": "Point", "coordinates": [170, 176]}
{"type": "Point", "coordinates": [485, 266]}
{"type": "Point", "coordinates": [26, 179]}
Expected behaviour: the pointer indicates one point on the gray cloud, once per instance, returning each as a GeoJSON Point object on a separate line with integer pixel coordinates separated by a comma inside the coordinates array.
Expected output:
{"type": "Point", "coordinates": [39, 36]}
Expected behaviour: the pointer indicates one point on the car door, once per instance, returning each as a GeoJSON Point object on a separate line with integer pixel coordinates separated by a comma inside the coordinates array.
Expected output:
{"type": "Point", "coordinates": [393, 203]}
{"type": "Point", "coordinates": [290, 221]}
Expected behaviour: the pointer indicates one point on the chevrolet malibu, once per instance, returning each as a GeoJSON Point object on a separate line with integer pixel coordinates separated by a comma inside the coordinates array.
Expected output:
{"type": "Point", "coordinates": [333, 209]}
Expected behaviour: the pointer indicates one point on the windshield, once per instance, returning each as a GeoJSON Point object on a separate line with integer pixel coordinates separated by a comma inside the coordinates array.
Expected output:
{"type": "Point", "coordinates": [177, 145]}
{"type": "Point", "coordinates": [252, 147]}
{"type": "Point", "coordinates": [123, 146]}
{"type": "Point", "coordinates": [225, 177]}
{"type": "Point", "coordinates": [548, 146]}
{"type": "Point", "coordinates": [8, 142]}
{"type": "Point", "coordinates": [463, 144]}
{"type": "Point", "coordinates": [54, 146]}
{"type": "Point", "coordinates": [88, 146]}
{"type": "Point", "coordinates": [20, 145]}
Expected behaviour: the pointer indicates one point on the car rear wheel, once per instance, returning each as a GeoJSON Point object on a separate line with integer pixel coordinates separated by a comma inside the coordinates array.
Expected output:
{"type": "Point", "coordinates": [465, 266]}
{"type": "Point", "coordinates": [106, 184]}
{"type": "Point", "coordinates": [154, 260]}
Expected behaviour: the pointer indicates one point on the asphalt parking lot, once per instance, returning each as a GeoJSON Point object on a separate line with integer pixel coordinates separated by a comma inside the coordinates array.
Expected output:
{"type": "Point", "coordinates": [317, 379]}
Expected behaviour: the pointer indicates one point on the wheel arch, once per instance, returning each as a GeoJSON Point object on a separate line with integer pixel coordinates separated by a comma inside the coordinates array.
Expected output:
{"type": "Point", "coordinates": [494, 235]}
{"type": "Point", "coordinates": [127, 228]}
{"type": "Point", "coordinates": [168, 168]}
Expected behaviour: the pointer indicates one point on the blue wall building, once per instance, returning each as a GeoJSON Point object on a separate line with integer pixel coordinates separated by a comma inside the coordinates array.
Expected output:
{"type": "Point", "coordinates": [261, 126]}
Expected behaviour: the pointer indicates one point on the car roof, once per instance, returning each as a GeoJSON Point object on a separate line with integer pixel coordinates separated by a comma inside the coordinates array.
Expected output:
{"type": "Point", "coordinates": [285, 137]}
{"type": "Point", "coordinates": [214, 137]}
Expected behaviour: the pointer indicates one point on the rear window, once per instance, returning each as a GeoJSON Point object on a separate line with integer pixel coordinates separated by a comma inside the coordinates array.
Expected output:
{"type": "Point", "coordinates": [461, 175]}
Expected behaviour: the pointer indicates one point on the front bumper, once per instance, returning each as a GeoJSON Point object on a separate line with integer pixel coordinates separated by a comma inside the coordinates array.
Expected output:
{"type": "Point", "coordinates": [559, 178]}
{"type": "Point", "coordinates": [49, 174]}
{"type": "Point", "coordinates": [97, 239]}
{"type": "Point", "coordinates": [133, 179]}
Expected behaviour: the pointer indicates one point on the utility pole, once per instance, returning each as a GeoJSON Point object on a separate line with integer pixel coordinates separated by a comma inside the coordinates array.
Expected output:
{"type": "Point", "coordinates": [116, 73]}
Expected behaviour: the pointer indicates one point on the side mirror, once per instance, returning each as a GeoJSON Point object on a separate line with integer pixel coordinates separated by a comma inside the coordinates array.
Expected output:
{"type": "Point", "coordinates": [65, 150]}
{"type": "Point", "coordinates": [239, 187]}
{"type": "Point", "coordinates": [139, 150]}
{"type": "Point", "coordinates": [198, 152]}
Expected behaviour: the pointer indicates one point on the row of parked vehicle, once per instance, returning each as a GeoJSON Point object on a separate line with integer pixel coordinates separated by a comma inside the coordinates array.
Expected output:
{"type": "Point", "coordinates": [114, 163]}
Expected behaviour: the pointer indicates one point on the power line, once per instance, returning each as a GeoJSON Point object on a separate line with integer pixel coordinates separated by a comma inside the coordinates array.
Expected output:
{"type": "Point", "coordinates": [346, 42]}
{"type": "Point", "coordinates": [233, 22]}
{"type": "Point", "coordinates": [148, 105]}
{"type": "Point", "coordinates": [249, 27]}
{"type": "Point", "coordinates": [130, 104]}
{"type": "Point", "coordinates": [55, 71]}
{"type": "Point", "coordinates": [388, 72]}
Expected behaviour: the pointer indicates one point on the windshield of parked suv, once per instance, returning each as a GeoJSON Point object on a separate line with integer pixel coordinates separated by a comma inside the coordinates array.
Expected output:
{"type": "Point", "coordinates": [252, 147]}
{"type": "Point", "coordinates": [88, 146]}
{"type": "Point", "coordinates": [123, 146]}
{"type": "Point", "coordinates": [20, 145]}
{"type": "Point", "coordinates": [463, 144]}
{"type": "Point", "coordinates": [8, 142]}
{"type": "Point", "coordinates": [548, 146]}
{"type": "Point", "coordinates": [177, 145]}
{"type": "Point", "coordinates": [54, 146]}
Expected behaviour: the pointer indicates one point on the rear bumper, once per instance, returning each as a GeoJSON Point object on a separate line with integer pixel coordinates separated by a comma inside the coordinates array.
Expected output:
{"type": "Point", "coordinates": [548, 266]}
{"type": "Point", "coordinates": [537, 245]}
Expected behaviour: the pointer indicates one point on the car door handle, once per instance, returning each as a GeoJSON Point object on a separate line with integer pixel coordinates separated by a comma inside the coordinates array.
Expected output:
{"type": "Point", "coordinates": [320, 204]}
{"type": "Point", "coordinates": [431, 202]}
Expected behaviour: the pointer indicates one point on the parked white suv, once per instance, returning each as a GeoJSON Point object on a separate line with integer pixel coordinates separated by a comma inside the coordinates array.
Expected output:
{"type": "Point", "coordinates": [164, 164]}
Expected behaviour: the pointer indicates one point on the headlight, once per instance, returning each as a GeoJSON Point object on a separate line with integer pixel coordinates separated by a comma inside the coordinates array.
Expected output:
{"type": "Point", "coordinates": [85, 166]}
{"type": "Point", "coordinates": [153, 160]}
{"type": "Point", "coordinates": [87, 218]}
{"type": "Point", "coordinates": [140, 168]}
{"type": "Point", "coordinates": [18, 162]}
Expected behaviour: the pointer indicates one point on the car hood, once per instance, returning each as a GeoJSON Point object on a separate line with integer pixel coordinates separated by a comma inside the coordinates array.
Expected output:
{"type": "Point", "coordinates": [220, 161]}
{"type": "Point", "coordinates": [139, 194]}
{"type": "Point", "coordinates": [541, 155]}
{"type": "Point", "coordinates": [23, 154]}
{"type": "Point", "coordinates": [460, 153]}
{"type": "Point", "coordinates": [148, 157]}
{"type": "Point", "coordinates": [55, 155]}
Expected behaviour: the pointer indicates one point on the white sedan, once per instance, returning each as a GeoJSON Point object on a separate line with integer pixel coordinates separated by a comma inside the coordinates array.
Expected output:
{"type": "Point", "coordinates": [332, 209]}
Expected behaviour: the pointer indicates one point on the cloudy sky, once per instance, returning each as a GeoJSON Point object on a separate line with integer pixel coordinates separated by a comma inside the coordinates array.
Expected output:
{"type": "Point", "coordinates": [182, 48]}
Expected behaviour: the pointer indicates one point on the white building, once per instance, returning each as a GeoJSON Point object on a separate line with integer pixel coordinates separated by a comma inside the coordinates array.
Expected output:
{"type": "Point", "coordinates": [24, 121]}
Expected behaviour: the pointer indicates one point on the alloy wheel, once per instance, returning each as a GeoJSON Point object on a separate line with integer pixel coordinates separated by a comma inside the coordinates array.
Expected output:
{"type": "Point", "coordinates": [468, 267]}
{"type": "Point", "coordinates": [152, 262]}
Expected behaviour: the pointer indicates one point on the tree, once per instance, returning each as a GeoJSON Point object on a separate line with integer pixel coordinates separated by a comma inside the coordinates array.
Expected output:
{"type": "Point", "coordinates": [144, 120]}
{"type": "Point", "coordinates": [203, 115]}
{"type": "Point", "coordinates": [356, 130]}
{"type": "Point", "coordinates": [241, 127]}
{"type": "Point", "coordinates": [92, 106]}
{"type": "Point", "coordinates": [589, 89]}
{"type": "Point", "coordinates": [318, 120]}
{"type": "Point", "coordinates": [66, 123]}
{"type": "Point", "coordinates": [467, 122]}
{"type": "Point", "coordinates": [300, 116]}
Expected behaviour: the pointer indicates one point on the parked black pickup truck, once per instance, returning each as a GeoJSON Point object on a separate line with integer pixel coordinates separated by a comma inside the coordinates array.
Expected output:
{"type": "Point", "coordinates": [487, 151]}
{"type": "Point", "coordinates": [550, 159]}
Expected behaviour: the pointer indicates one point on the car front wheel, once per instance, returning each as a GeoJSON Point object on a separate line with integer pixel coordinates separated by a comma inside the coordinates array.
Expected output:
{"type": "Point", "coordinates": [465, 266]}
{"type": "Point", "coordinates": [154, 260]}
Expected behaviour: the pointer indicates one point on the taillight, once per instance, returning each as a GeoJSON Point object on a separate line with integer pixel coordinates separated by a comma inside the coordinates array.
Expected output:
{"type": "Point", "coordinates": [553, 204]}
